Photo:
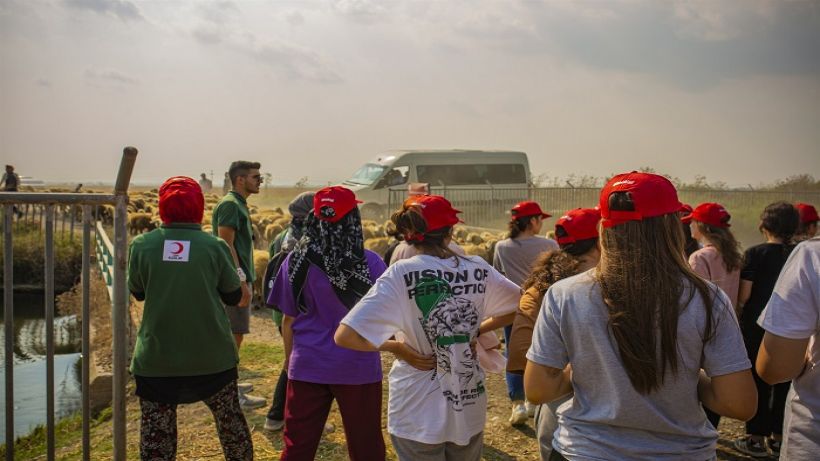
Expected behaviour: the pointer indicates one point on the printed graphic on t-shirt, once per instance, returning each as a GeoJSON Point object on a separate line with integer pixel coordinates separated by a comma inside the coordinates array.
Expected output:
{"type": "Point", "coordinates": [450, 323]}
{"type": "Point", "coordinates": [176, 250]}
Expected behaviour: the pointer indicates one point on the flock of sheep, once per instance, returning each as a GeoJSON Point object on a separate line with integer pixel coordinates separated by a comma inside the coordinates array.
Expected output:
{"type": "Point", "coordinates": [143, 216]}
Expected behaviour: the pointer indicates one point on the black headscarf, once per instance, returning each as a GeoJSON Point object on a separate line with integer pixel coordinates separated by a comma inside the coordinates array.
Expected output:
{"type": "Point", "coordinates": [337, 249]}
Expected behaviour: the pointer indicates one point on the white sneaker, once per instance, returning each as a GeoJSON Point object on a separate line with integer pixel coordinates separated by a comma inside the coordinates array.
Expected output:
{"type": "Point", "coordinates": [530, 408]}
{"type": "Point", "coordinates": [249, 402]}
{"type": "Point", "coordinates": [244, 388]}
{"type": "Point", "coordinates": [274, 424]}
{"type": "Point", "coordinates": [519, 414]}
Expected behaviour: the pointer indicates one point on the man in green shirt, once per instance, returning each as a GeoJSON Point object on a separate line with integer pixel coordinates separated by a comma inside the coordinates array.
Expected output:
{"type": "Point", "coordinates": [231, 222]}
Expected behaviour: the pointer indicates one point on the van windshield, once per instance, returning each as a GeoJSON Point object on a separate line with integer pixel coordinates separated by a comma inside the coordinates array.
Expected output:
{"type": "Point", "coordinates": [368, 174]}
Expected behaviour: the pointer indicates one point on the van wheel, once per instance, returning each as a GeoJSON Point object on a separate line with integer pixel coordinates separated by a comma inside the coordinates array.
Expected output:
{"type": "Point", "coordinates": [374, 211]}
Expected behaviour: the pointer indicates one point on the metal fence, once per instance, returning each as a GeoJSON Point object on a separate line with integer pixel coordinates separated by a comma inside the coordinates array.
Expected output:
{"type": "Point", "coordinates": [14, 204]}
{"type": "Point", "coordinates": [490, 208]}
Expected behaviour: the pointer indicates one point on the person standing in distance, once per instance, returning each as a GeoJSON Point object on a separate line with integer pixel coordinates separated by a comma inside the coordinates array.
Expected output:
{"type": "Point", "coordinates": [231, 222]}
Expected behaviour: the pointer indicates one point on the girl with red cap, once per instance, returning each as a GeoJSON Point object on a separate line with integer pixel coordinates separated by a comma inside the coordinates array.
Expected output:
{"type": "Point", "coordinates": [719, 259]}
{"type": "Point", "coordinates": [185, 351]}
{"type": "Point", "coordinates": [318, 283]}
{"type": "Point", "coordinates": [577, 235]}
{"type": "Point", "coordinates": [436, 303]}
{"type": "Point", "coordinates": [514, 257]}
{"type": "Point", "coordinates": [592, 337]}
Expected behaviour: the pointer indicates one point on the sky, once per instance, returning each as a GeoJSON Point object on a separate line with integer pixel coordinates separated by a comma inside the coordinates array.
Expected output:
{"type": "Point", "coordinates": [725, 89]}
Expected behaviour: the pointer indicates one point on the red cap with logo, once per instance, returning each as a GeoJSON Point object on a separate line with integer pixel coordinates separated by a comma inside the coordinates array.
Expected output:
{"type": "Point", "coordinates": [435, 209]}
{"type": "Point", "coordinates": [579, 224]}
{"type": "Point", "coordinates": [685, 213]}
{"type": "Point", "coordinates": [652, 194]}
{"type": "Point", "coordinates": [332, 203]}
{"type": "Point", "coordinates": [712, 214]}
{"type": "Point", "coordinates": [181, 200]}
{"type": "Point", "coordinates": [527, 208]}
{"type": "Point", "coordinates": [808, 214]}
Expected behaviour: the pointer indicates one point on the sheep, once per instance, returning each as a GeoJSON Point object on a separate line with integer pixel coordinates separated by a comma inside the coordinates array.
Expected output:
{"type": "Point", "coordinates": [140, 222]}
{"type": "Point", "coordinates": [260, 263]}
{"type": "Point", "coordinates": [378, 245]}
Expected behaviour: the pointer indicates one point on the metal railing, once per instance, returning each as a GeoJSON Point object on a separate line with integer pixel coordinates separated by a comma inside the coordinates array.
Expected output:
{"type": "Point", "coordinates": [490, 208]}
{"type": "Point", "coordinates": [119, 297]}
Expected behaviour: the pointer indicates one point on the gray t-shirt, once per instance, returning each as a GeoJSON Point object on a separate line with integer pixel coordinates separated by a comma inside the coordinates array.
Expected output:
{"type": "Point", "coordinates": [514, 257]}
{"type": "Point", "coordinates": [608, 419]}
{"type": "Point", "coordinates": [793, 312]}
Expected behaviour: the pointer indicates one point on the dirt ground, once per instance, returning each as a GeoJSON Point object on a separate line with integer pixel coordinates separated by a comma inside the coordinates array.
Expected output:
{"type": "Point", "coordinates": [501, 441]}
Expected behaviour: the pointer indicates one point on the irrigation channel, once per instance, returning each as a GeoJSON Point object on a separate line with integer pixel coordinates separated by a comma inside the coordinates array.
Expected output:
{"type": "Point", "coordinates": [29, 364]}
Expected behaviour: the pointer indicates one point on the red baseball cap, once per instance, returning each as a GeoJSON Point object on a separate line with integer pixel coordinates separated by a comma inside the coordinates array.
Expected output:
{"type": "Point", "coordinates": [712, 214]}
{"type": "Point", "coordinates": [808, 214]}
{"type": "Point", "coordinates": [686, 213]}
{"type": "Point", "coordinates": [579, 224]}
{"type": "Point", "coordinates": [435, 209]}
{"type": "Point", "coordinates": [180, 200]}
{"type": "Point", "coordinates": [332, 203]}
{"type": "Point", "coordinates": [527, 208]}
{"type": "Point", "coordinates": [652, 194]}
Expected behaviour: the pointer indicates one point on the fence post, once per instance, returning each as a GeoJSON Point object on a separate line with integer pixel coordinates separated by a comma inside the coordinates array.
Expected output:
{"type": "Point", "coordinates": [120, 301]}
{"type": "Point", "coordinates": [8, 323]}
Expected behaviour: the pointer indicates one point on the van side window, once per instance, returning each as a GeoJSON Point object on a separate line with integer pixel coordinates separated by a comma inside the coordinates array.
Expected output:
{"type": "Point", "coordinates": [395, 177]}
{"type": "Point", "coordinates": [471, 175]}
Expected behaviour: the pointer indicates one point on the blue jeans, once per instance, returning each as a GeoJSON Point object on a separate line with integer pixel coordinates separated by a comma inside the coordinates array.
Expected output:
{"type": "Point", "coordinates": [515, 383]}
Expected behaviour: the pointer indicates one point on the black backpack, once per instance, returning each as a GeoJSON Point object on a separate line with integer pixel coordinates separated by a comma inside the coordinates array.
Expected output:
{"type": "Point", "coordinates": [273, 268]}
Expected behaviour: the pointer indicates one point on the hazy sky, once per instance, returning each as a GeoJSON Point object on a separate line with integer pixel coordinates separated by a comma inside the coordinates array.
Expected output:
{"type": "Point", "coordinates": [730, 89]}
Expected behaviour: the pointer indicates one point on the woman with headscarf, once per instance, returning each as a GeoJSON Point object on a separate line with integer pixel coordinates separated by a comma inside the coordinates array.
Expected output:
{"type": "Point", "coordinates": [320, 281]}
{"type": "Point", "coordinates": [185, 351]}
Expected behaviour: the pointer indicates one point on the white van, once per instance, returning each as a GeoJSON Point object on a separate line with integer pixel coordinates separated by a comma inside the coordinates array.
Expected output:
{"type": "Point", "coordinates": [440, 169]}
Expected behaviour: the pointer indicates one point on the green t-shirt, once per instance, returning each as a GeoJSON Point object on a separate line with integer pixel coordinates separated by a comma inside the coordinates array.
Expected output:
{"type": "Point", "coordinates": [185, 330]}
{"type": "Point", "coordinates": [232, 211]}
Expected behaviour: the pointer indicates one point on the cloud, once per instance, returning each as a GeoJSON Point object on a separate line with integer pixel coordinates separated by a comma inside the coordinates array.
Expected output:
{"type": "Point", "coordinates": [109, 76]}
{"type": "Point", "coordinates": [220, 12]}
{"type": "Point", "coordinates": [122, 9]}
{"type": "Point", "coordinates": [363, 11]}
{"type": "Point", "coordinates": [293, 62]}
{"type": "Point", "coordinates": [208, 34]}
{"type": "Point", "coordinates": [43, 83]}
{"type": "Point", "coordinates": [692, 45]}
{"type": "Point", "coordinates": [295, 18]}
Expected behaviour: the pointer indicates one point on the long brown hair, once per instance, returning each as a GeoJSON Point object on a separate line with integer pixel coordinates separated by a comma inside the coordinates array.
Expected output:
{"type": "Point", "coordinates": [643, 277]}
{"type": "Point", "coordinates": [725, 242]}
{"type": "Point", "coordinates": [409, 221]}
{"type": "Point", "coordinates": [550, 267]}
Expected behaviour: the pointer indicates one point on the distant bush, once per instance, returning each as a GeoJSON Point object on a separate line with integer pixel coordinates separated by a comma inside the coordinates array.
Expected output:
{"type": "Point", "coordinates": [28, 255]}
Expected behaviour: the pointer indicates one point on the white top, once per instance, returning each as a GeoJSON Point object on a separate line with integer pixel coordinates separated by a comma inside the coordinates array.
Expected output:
{"type": "Point", "coordinates": [793, 312]}
{"type": "Point", "coordinates": [435, 307]}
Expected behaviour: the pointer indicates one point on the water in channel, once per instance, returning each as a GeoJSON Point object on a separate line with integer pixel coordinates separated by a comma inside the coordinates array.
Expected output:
{"type": "Point", "coordinates": [30, 364]}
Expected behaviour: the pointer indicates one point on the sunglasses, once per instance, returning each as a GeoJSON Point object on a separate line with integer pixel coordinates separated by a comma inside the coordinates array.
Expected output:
{"type": "Point", "coordinates": [257, 177]}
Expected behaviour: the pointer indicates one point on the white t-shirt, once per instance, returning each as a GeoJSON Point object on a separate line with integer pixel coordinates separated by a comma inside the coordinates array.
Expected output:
{"type": "Point", "coordinates": [428, 301]}
{"type": "Point", "coordinates": [793, 312]}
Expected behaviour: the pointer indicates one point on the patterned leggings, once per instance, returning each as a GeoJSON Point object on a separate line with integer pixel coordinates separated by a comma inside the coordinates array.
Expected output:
{"type": "Point", "coordinates": [158, 429]}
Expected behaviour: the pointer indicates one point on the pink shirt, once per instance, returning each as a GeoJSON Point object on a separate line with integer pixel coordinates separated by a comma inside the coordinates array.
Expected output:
{"type": "Point", "coordinates": [708, 263]}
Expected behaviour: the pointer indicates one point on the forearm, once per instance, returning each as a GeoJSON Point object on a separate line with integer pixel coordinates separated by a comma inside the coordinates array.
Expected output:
{"type": "Point", "coordinates": [494, 323]}
{"type": "Point", "coordinates": [351, 339]}
{"type": "Point", "coordinates": [287, 336]}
